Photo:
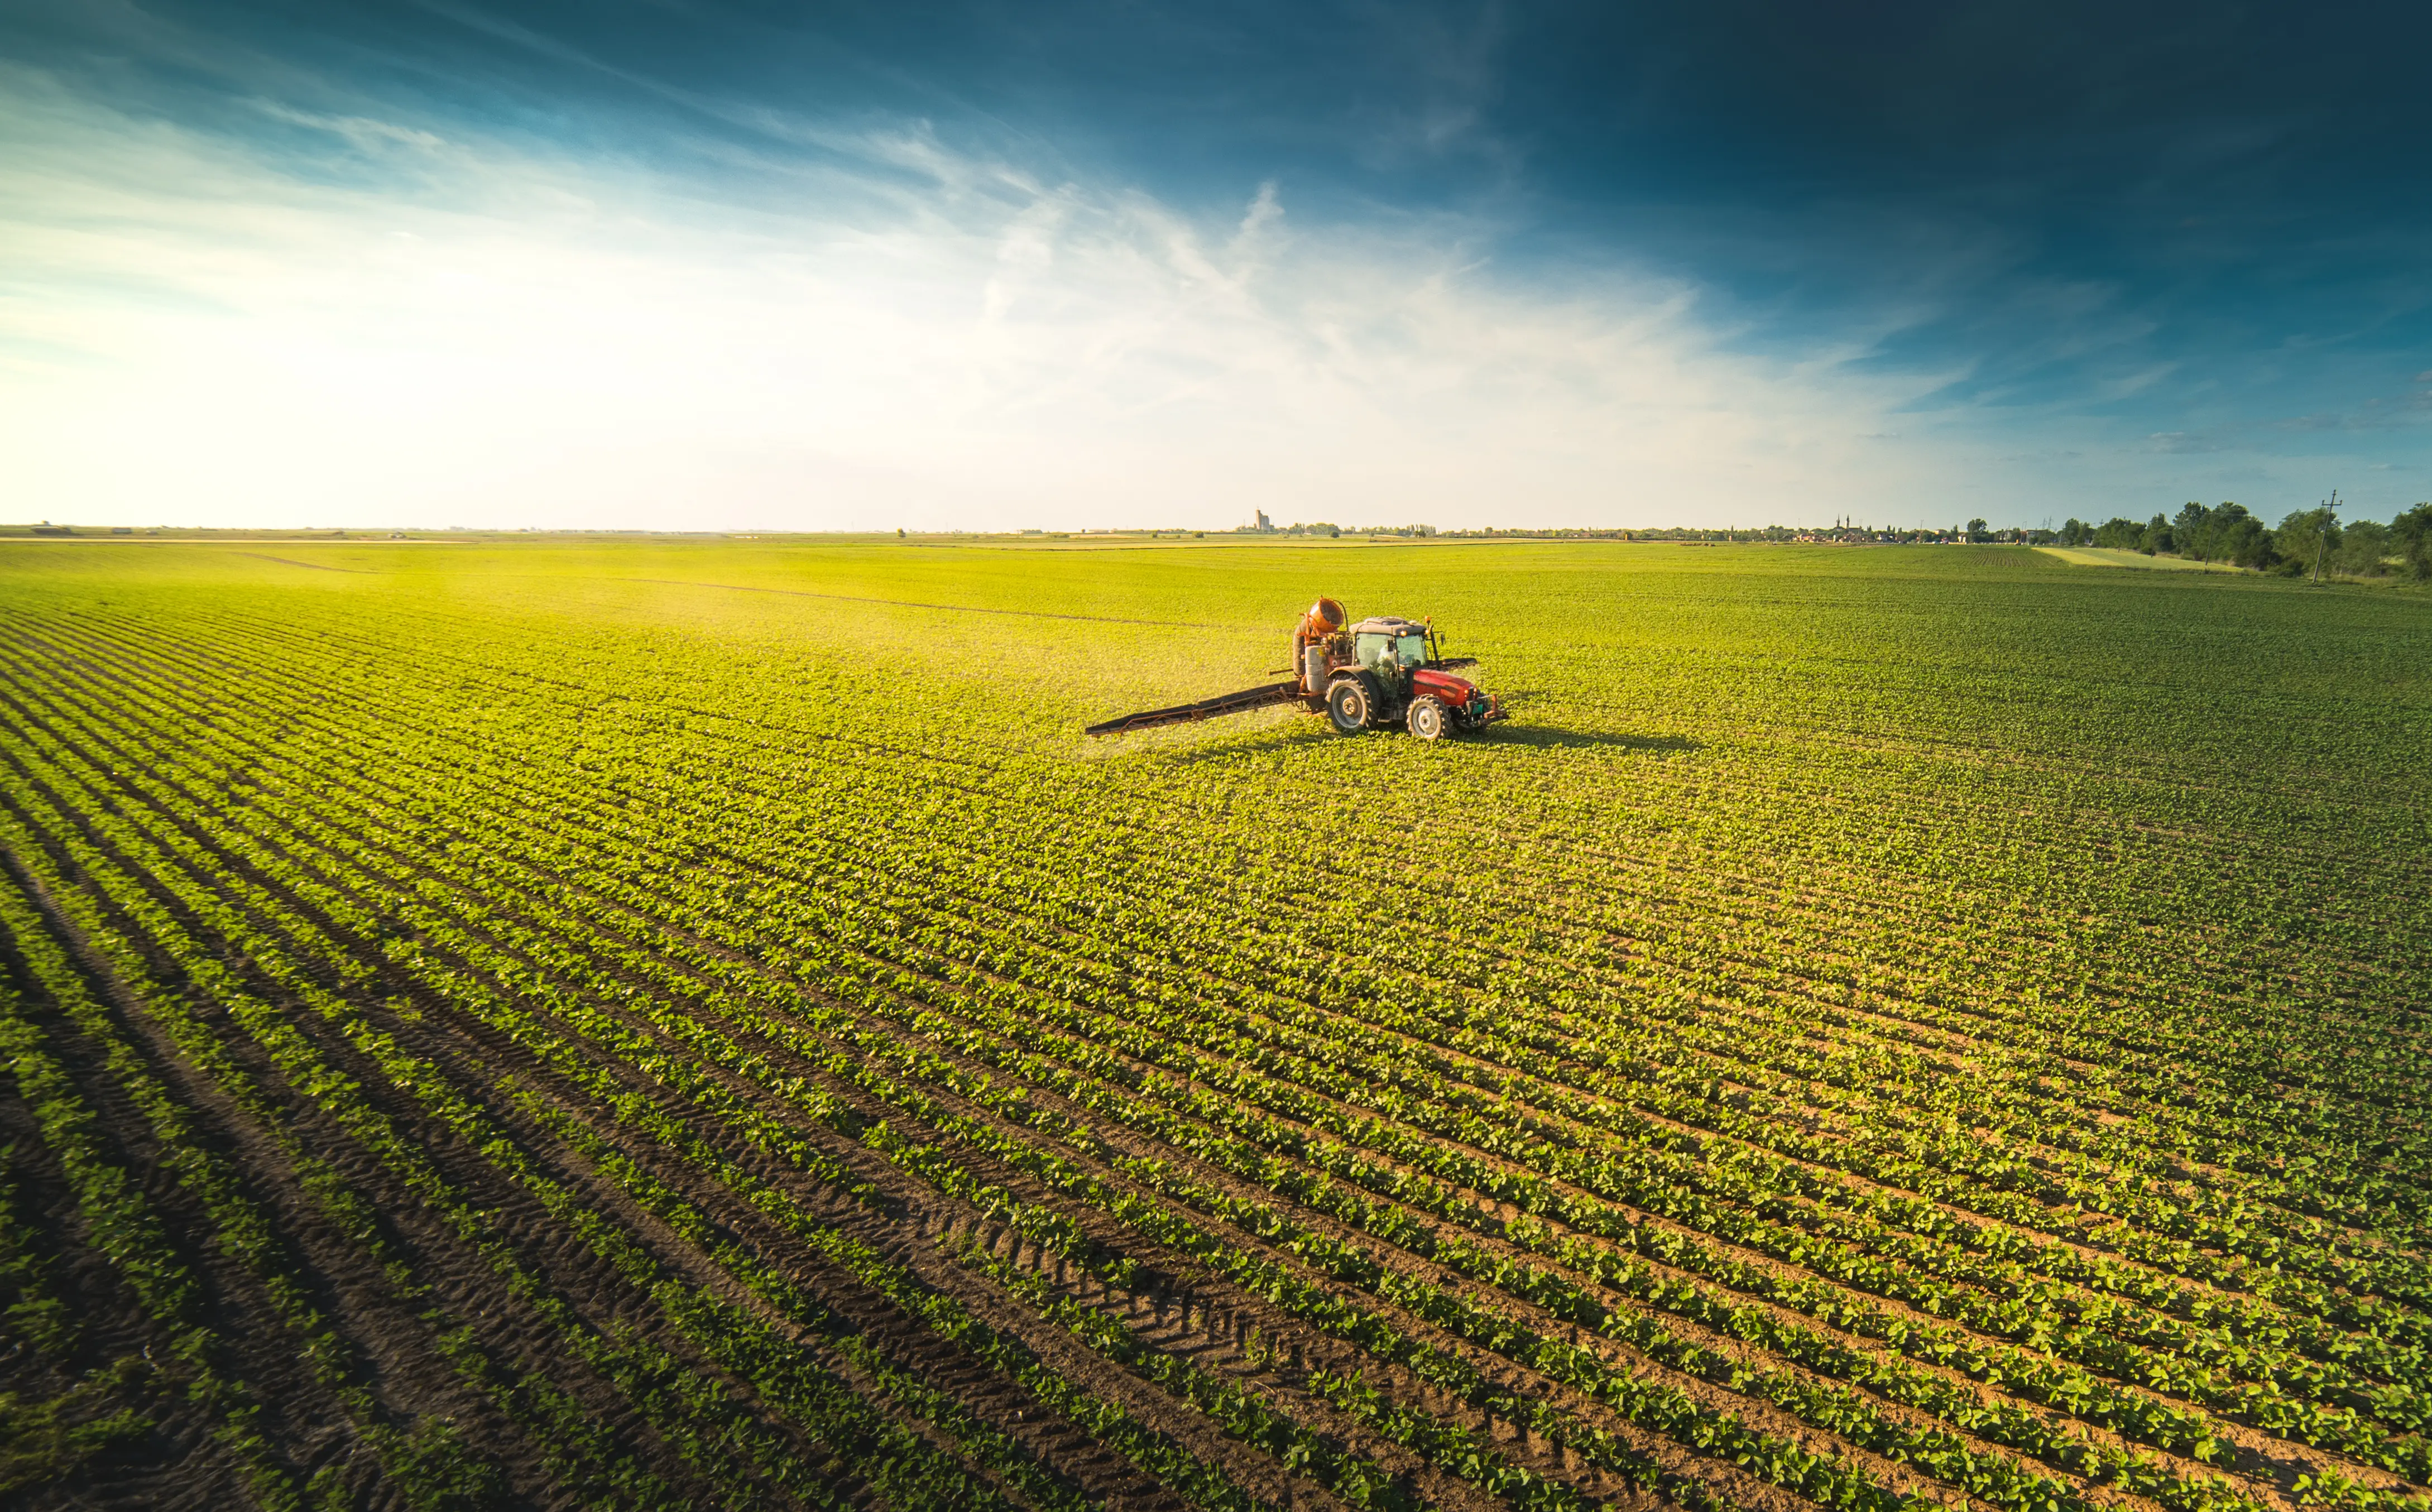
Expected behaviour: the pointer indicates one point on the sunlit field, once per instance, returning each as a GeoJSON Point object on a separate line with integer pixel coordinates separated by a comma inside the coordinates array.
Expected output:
{"type": "Point", "coordinates": [696, 1023]}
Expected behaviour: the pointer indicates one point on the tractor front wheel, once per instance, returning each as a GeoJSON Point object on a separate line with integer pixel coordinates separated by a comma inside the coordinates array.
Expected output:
{"type": "Point", "coordinates": [1346, 706]}
{"type": "Point", "coordinates": [1428, 718]}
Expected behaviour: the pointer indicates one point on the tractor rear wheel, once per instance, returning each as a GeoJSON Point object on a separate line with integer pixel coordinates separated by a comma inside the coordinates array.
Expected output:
{"type": "Point", "coordinates": [1346, 706]}
{"type": "Point", "coordinates": [1428, 718]}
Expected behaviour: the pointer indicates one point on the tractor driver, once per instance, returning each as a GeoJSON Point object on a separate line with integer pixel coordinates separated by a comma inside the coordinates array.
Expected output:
{"type": "Point", "coordinates": [1393, 655]}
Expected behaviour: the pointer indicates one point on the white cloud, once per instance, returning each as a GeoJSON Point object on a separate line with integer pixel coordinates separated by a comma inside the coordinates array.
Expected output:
{"type": "Point", "coordinates": [192, 331]}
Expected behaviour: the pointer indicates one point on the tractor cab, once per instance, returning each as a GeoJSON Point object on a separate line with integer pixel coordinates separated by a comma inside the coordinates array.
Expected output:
{"type": "Point", "coordinates": [1390, 646]}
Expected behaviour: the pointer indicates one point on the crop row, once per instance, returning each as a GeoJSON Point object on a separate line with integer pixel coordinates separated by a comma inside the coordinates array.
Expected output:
{"type": "Point", "coordinates": [460, 994]}
{"type": "Point", "coordinates": [671, 1394]}
{"type": "Point", "coordinates": [2081, 1190]}
{"type": "Point", "coordinates": [1300, 1088]}
{"type": "Point", "coordinates": [2385, 1401]}
{"type": "Point", "coordinates": [1107, 1420]}
{"type": "Point", "coordinates": [2094, 1190]}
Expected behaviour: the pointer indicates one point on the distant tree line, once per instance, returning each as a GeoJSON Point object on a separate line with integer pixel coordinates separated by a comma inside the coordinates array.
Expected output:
{"type": "Point", "coordinates": [1330, 530]}
{"type": "Point", "coordinates": [2302, 539]}
{"type": "Point", "coordinates": [2226, 533]}
{"type": "Point", "coordinates": [1849, 534]}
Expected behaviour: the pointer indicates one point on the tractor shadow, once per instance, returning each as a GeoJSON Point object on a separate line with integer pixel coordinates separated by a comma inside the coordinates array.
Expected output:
{"type": "Point", "coordinates": [1230, 752]}
{"type": "Point", "coordinates": [1552, 737]}
{"type": "Point", "coordinates": [1527, 737]}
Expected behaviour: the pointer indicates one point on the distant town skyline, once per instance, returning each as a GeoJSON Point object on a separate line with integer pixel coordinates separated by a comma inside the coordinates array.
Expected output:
{"type": "Point", "coordinates": [1072, 266]}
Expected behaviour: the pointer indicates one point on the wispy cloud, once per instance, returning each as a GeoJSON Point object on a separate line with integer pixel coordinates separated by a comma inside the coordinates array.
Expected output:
{"type": "Point", "coordinates": [1464, 260]}
{"type": "Point", "coordinates": [192, 329]}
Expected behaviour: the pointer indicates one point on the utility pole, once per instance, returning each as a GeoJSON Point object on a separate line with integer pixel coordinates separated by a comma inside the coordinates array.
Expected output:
{"type": "Point", "coordinates": [2322, 533]}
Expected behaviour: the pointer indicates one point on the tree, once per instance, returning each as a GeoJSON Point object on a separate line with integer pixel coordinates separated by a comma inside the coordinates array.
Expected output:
{"type": "Point", "coordinates": [2155, 537]}
{"type": "Point", "coordinates": [2208, 535]}
{"type": "Point", "coordinates": [2245, 542]}
{"type": "Point", "coordinates": [2362, 550]}
{"type": "Point", "coordinates": [2306, 537]}
{"type": "Point", "coordinates": [1976, 530]}
{"type": "Point", "coordinates": [2120, 534]}
{"type": "Point", "coordinates": [2076, 532]}
{"type": "Point", "coordinates": [2411, 533]}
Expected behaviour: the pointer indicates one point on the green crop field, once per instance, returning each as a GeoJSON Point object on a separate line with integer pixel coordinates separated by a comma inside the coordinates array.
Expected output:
{"type": "Point", "coordinates": [695, 1023]}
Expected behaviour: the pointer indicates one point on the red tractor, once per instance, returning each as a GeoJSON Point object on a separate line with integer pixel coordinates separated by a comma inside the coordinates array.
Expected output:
{"type": "Point", "coordinates": [1377, 673]}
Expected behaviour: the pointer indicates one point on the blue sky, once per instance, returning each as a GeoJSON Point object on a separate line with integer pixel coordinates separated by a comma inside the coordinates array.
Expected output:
{"type": "Point", "coordinates": [994, 266]}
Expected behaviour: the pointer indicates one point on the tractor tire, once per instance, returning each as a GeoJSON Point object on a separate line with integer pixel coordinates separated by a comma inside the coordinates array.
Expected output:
{"type": "Point", "coordinates": [1428, 718]}
{"type": "Point", "coordinates": [1346, 706]}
